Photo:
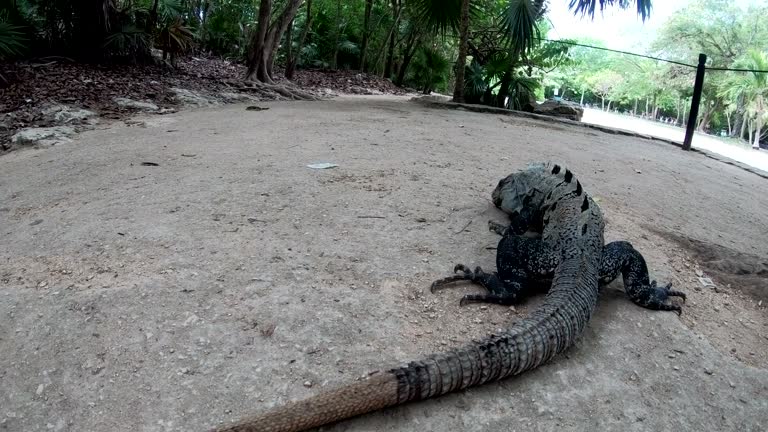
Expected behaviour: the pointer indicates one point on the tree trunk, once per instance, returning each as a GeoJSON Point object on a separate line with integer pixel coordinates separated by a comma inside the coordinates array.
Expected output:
{"type": "Point", "coordinates": [290, 68]}
{"type": "Point", "coordinates": [582, 98]}
{"type": "Point", "coordinates": [634, 112]}
{"type": "Point", "coordinates": [461, 61]}
{"type": "Point", "coordinates": [645, 114]}
{"type": "Point", "coordinates": [744, 120]}
{"type": "Point", "coordinates": [391, 49]}
{"type": "Point", "coordinates": [389, 35]}
{"type": "Point", "coordinates": [152, 21]}
{"type": "Point", "coordinates": [758, 121]}
{"type": "Point", "coordinates": [257, 54]}
{"type": "Point", "coordinates": [503, 94]}
{"type": "Point", "coordinates": [203, 17]}
{"type": "Point", "coordinates": [410, 50]}
{"type": "Point", "coordinates": [276, 31]}
{"type": "Point", "coordinates": [366, 33]}
{"type": "Point", "coordinates": [337, 38]}
{"type": "Point", "coordinates": [602, 102]}
{"type": "Point", "coordinates": [289, 41]}
{"type": "Point", "coordinates": [707, 117]}
{"type": "Point", "coordinates": [609, 106]}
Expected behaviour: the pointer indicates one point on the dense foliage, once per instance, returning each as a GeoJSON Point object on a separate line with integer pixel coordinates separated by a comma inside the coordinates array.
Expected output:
{"type": "Point", "coordinates": [384, 37]}
{"type": "Point", "coordinates": [492, 52]}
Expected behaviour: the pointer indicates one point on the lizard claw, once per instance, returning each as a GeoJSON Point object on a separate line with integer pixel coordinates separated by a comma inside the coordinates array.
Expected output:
{"type": "Point", "coordinates": [670, 291]}
{"type": "Point", "coordinates": [464, 274]}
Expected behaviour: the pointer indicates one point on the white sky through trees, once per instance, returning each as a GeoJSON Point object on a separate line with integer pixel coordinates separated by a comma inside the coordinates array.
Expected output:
{"type": "Point", "coordinates": [617, 28]}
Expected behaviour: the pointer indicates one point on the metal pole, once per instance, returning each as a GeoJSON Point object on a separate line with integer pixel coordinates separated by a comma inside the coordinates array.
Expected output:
{"type": "Point", "coordinates": [698, 85]}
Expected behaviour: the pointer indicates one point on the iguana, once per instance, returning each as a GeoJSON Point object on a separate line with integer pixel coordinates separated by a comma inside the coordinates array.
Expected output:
{"type": "Point", "coordinates": [570, 250]}
{"type": "Point", "coordinates": [510, 286]}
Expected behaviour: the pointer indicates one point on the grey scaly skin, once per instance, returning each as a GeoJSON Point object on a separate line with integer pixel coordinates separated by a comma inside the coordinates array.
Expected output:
{"type": "Point", "coordinates": [571, 246]}
{"type": "Point", "coordinates": [513, 283]}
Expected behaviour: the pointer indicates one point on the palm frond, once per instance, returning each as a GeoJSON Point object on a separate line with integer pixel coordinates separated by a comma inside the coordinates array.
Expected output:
{"type": "Point", "coordinates": [588, 7]}
{"type": "Point", "coordinates": [441, 15]}
{"type": "Point", "coordinates": [169, 10]}
{"type": "Point", "coordinates": [518, 21]}
{"type": "Point", "coordinates": [12, 40]}
{"type": "Point", "coordinates": [349, 47]}
{"type": "Point", "coordinates": [474, 80]}
{"type": "Point", "coordinates": [129, 40]}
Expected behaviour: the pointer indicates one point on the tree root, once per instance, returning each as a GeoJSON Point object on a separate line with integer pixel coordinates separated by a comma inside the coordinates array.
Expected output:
{"type": "Point", "coordinates": [275, 91]}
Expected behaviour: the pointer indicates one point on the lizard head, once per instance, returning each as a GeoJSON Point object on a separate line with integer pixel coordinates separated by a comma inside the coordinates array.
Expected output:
{"type": "Point", "coordinates": [519, 190]}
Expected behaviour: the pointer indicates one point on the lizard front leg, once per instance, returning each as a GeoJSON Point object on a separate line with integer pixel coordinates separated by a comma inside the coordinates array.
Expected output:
{"type": "Point", "coordinates": [505, 292]}
{"type": "Point", "coordinates": [522, 263]}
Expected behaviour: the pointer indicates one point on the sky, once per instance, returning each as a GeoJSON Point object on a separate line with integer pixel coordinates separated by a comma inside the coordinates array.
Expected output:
{"type": "Point", "coordinates": [618, 29]}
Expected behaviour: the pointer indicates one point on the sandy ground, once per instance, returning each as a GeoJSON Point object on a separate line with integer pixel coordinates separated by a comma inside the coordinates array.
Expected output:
{"type": "Point", "coordinates": [231, 277]}
{"type": "Point", "coordinates": [755, 158]}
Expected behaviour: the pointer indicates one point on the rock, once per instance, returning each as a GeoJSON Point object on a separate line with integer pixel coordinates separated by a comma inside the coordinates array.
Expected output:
{"type": "Point", "coordinates": [44, 136]}
{"type": "Point", "coordinates": [229, 97]}
{"type": "Point", "coordinates": [562, 109]}
{"type": "Point", "coordinates": [432, 98]}
{"type": "Point", "coordinates": [134, 104]}
{"type": "Point", "coordinates": [191, 98]}
{"type": "Point", "coordinates": [307, 384]}
{"type": "Point", "coordinates": [64, 114]}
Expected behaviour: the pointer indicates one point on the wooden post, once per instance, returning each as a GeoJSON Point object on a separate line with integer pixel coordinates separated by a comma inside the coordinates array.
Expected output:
{"type": "Point", "coordinates": [698, 85]}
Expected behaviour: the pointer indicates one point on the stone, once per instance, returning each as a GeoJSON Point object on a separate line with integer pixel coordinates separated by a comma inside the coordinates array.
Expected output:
{"type": "Point", "coordinates": [230, 97]}
{"type": "Point", "coordinates": [562, 109]}
{"type": "Point", "coordinates": [191, 98]}
{"type": "Point", "coordinates": [432, 98]}
{"type": "Point", "coordinates": [134, 104]}
{"type": "Point", "coordinates": [64, 114]}
{"type": "Point", "coordinates": [44, 135]}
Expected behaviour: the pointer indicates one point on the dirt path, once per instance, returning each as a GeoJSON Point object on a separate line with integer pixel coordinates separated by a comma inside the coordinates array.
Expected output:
{"type": "Point", "coordinates": [232, 277]}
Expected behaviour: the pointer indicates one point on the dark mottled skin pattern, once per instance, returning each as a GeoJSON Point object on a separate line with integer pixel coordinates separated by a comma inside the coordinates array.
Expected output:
{"type": "Point", "coordinates": [525, 265]}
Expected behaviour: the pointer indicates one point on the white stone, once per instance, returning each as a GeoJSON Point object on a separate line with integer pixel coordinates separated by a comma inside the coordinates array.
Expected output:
{"type": "Point", "coordinates": [45, 135]}
{"type": "Point", "coordinates": [139, 105]}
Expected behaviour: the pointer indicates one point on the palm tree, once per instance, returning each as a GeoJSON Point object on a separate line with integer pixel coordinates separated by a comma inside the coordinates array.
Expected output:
{"type": "Point", "coordinates": [518, 22]}
{"type": "Point", "coordinates": [752, 88]}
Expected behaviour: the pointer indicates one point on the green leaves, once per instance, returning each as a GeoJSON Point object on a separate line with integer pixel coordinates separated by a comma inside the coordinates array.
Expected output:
{"type": "Point", "coordinates": [439, 15]}
{"type": "Point", "coordinates": [588, 7]}
{"type": "Point", "coordinates": [128, 41]}
{"type": "Point", "coordinates": [12, 40]}
{"type": "Point", "coordinates": [518, 22]}
{"type": "Point", "coordinates": [430, 68]}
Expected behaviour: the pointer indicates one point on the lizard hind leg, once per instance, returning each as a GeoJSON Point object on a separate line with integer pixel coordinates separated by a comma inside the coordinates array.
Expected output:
{"type": "Point", "coordinates": [655, 297]}
{"type": "Point", "coordinates": [621, 257]}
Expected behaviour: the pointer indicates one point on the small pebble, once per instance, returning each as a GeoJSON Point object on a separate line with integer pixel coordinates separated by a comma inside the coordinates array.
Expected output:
{"type": "Point", "coordinates": [307, 384]}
